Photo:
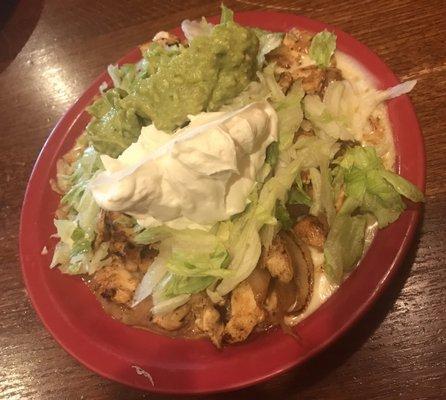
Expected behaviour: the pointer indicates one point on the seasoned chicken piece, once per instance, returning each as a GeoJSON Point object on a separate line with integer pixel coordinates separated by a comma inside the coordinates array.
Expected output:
{"type": "Point", "coordinates": [120, 225]}
{"type": "Point", "coordinates": [207, 318]}
{"type": "Point", "coordinates": [114, 283]}
{"type": "Point", "coordinates": [278, 261]}
{"type": "Point", "coordinates": [245, 314]}
{"type": "Point", "coordinates": [165, 39]}
{"type": "Point", "coordinates": [173, 320]}
{"type": "Point", "coordinates": [331, 74]}
{"type": "Point", "coordinates": [210, 323]}
{"type": "Point", "coordinates": [285, 80]}
{"type": "Point", "coordinates": [311, 231]}
{"type": "Point", "coordinates": [293, 63]}
{"type": "Point", "coordinates": [312, 78]}
{"type": "Point", "coordinates": [289, 54]}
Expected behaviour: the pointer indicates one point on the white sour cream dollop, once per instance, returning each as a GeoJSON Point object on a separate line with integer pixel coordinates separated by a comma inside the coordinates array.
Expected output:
{"type": "Point", "coordinates": [196, 177]}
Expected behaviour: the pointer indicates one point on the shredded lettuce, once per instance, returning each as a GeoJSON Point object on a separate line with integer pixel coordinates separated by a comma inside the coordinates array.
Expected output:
{"type": "Point", "coordinates": [288, 107]}
{"type": "Point", "coordinates": [74, 253]}
{"type": "Point", "coordinates": [376, 190]}
{"type": "Point", "coordinates": [255, 91]}
{"type": "Point", "coordinates": [197, 253]}
{"type": "Point", "coordinates": [314, 154]}
{"type": "Point", "coordinates": [403, 187]}
{"type": "Point", "coordinates": [244, 240]}
{"type": "Point", "coordinates": [188, 262]}
{"type": "Point", "coordinates": [153, 235]}
{"type": "Point", "coordinates": [344, 245]}
{"type": "Point", "coordinates": [268, 79]}
{"type": "Point", "coordinates": [170, 304]}
{"type": "Point", "coordinates": [152, 277]}
{"type": "Point", "coordinates": [290, 115]}
{"type": "Point", "coordinates": [345, 109]}
{"type": "Point", "coordinates": [322, 48]}
{"type": "Point", "coordinates": [369, 189]}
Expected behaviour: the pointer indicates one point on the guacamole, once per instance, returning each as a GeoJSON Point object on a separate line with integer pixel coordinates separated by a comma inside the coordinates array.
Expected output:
{"type": "Point", "coordinates": [211, 71]}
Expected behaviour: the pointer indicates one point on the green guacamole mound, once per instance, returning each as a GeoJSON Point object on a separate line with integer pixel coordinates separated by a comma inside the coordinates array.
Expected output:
{"type": "Point", "coordinates": [203, 76]}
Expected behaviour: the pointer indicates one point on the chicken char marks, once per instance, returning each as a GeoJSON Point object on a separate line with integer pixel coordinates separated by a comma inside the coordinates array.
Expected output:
{"type": "Point", "coordinates": [293, 63]}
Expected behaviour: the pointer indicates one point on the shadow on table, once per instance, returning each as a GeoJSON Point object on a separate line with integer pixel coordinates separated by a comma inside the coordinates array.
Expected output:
{"type": "Point", "coordinates": [18, 18]}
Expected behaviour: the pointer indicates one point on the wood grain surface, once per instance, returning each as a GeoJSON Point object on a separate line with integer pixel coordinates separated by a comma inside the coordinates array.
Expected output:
{"type": "Point", "coordinates": [51, 50]}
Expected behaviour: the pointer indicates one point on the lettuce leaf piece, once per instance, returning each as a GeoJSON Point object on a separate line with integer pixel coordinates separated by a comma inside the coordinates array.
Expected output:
{"type": "Point", "coordinates": [81, 242]}
{"type": "Point", "coordinates": [197, 253]}
{"type": "Point", "coordinates": [313, 150]}
{"type": "Point", "coordinates": [65, 229]}
{"type": "Point", "coordinates": [170, 304]}
{"type": "Point", "coordinates": [322, 48]}
{"type": "Point", "coordinates": [268, 79]}
{"type": "Point", "coordinates": [344, 245]}
{"type": "Point", "coordinates": [376, 190]}
{"type": "Point", "coordinates": [153, 235]}
{"type": "Point", "coordinates": [272, 154]}
{"type": "Point", "coordinates": [283, 216]}
{"type": "Point", "coordinates": [255, 91]}
{"type": "Point", "coordinates": [186, 285]}
{"type": "Point", "coordinates": [290, 115]}
{"type": "Point", "coordinates": [197, 259]}
{"type": "Point", "coordinates": [326, 192]}
{"type": "Point", "coordinates": [61, 255]}
{"type": "Point", "coordinates": [112, 128]}
{"type": "Point", "coordinates": [268, 41]}
{"type": "Point", "coordinates": [403, 186]}
{"type": "Point", "coordinates": [152, 277]}
{"type": "Point", "coordinates": [199, 264]}
{"type": "Point", "coordinates": [316, 184]}
{"type": "Point", "coordinates": [298, 196]}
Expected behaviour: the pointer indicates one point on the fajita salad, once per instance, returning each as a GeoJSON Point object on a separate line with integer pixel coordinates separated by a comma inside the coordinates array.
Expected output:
{"type": "Point", "coordinates": [228, 182]}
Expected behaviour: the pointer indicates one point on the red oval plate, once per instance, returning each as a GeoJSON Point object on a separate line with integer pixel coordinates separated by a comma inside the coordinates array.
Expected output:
{"type": "Point", "coordinates": [148, 361]}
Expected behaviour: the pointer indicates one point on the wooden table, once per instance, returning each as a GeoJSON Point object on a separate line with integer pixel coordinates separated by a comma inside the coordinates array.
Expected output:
{"type": "Point", "coordinates": [50, 51]}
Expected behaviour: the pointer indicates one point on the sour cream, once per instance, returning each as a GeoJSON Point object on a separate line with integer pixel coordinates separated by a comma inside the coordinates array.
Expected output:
{"type": "Point", "coordinates": [196, 177]}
